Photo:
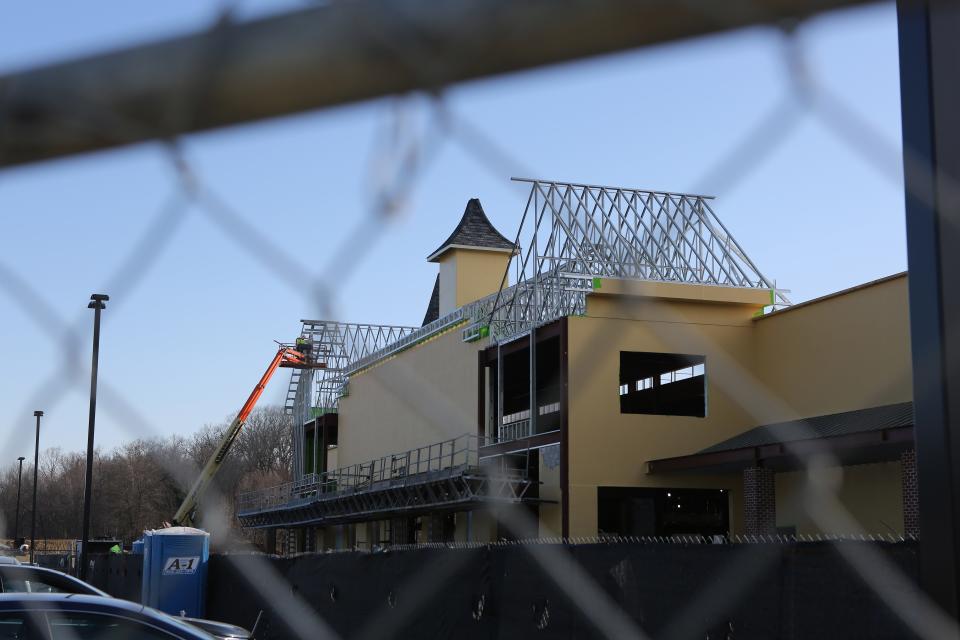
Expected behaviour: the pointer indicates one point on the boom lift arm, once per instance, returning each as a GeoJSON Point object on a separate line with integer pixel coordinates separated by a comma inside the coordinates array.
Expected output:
{"type": "Point", "coordinates": [287, 356]}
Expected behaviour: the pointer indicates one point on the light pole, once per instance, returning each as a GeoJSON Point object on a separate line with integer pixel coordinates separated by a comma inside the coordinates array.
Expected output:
{"type": "Point", "coordinates": [97, 304]}
{"type": "Point", "coordinates": [36, 465]}
{"type": "Point", "coordinates": [16, 526]}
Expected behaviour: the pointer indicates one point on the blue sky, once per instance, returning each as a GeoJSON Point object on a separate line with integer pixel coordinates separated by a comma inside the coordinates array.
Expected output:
{"type": "Point", "coordinates": [186, 344]}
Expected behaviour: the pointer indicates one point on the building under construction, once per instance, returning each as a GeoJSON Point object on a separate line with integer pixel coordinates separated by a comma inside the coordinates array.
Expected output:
{"type": "Point", "coordinates": [620, 367]}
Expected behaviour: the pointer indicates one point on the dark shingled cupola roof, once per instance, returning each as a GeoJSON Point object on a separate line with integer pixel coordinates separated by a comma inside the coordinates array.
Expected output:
{"type": "Point", "coordinates": [433, 307]}
{"type": "Point", "coordinates": [474, 232]}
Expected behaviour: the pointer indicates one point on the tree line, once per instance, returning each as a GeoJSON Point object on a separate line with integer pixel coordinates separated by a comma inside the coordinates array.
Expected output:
{"type": "Point", "coordinates": [140, 484]}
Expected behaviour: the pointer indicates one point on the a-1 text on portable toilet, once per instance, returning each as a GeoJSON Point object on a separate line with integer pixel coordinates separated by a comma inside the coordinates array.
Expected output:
{"type": "Point", "coordinates": [175, 570]}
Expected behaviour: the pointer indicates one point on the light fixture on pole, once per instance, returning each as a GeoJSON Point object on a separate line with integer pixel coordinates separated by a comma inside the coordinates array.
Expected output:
{"type": "Point", "coordinates": [16, 526]}
{"type": "Point", "coordinates": [36, 465]}
{"type": "Point", "coordinates": [97, 304]}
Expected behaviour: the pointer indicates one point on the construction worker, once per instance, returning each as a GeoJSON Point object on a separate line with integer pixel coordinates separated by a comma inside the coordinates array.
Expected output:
{"type": "Point", "coordinates": [303, 346]}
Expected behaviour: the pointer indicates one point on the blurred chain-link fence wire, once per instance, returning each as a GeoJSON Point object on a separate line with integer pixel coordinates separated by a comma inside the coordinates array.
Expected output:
{"type": "Point", "coordinates": [399, 157]}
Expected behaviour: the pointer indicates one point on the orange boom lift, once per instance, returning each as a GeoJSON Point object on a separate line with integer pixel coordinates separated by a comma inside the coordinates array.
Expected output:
{"type": "Point", "coordinates": [289, 356]}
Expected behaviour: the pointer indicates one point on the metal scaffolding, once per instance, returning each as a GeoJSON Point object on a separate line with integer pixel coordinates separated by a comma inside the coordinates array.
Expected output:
{"type": "Point", "coordinates": [453, 474]}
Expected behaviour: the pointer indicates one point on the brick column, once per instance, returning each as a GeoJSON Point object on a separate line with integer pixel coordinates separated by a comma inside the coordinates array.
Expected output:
{"type": "Point", "coordinates": [759, 501]}
{"type": "Point", "coordinates": [908, 484]}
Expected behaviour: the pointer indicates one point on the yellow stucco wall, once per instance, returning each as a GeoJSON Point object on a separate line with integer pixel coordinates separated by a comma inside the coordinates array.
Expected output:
{"type": "Point", "coordinates": [870, 493]}
{"type": "Point", "coordinates": [683, 292]}
{"type": "Point", "coordinates": [469, 274]}
{"type": "Point", "coordinates": [846, 352]}
{"type": "Point", "coordinates": [840, 353]}
{"type": "Point", "coordinates": [608, 448]}
{"type": "Point", "coordinates": [426, 394]}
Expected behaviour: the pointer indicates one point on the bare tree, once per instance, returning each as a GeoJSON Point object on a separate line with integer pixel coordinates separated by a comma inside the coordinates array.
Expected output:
{"type": "Point", "coordinates": [140, 484]}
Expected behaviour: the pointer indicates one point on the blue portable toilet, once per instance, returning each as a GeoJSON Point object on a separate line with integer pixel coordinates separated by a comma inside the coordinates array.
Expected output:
{"type": "Point", "coordinates": [137, 547]}
{"type": "Point", "coordinates": [175, 570]}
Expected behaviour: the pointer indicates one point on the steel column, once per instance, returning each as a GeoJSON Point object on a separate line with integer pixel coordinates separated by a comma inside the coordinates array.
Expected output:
{"type": "Point", "coordinates": [533, 381]}
{"type": "Point", "coordinates": [499, 392]}
{"type": "Point", "coordinates": [930, 103]}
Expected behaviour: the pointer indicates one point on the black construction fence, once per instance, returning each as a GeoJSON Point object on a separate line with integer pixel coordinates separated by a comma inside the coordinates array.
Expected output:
{"type": "Point", "coordinates": [717, 591]}
{"type": "Point", "coordinates": [120, 575]}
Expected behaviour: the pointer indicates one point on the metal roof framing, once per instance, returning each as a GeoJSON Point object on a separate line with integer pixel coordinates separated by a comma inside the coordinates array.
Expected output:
{"type": "Point", "coordinates": [573, 233]}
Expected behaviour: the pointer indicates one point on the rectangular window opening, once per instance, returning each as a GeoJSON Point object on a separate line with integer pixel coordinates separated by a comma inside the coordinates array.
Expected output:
{"type": "Point", "coordinates": [671, 384]}
{"type": "Point", "coordinates": [637, 511]}
{"type": "Point", "coordinates": [643, 385]}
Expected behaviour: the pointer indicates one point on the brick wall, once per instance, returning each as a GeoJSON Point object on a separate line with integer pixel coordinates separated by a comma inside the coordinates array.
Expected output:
{"type": "Point", "coordinates": [911, 504]}
{"type": "Point", "coordinates": [759, 501]}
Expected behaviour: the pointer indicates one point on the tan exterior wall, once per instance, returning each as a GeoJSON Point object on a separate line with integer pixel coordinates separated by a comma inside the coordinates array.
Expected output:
{"type": "Point", "coordinates": [871, 493]}
{"type": "Point", "coordinates": [469, 274]}
{"type": "Point", "coordinates": [841, 353]}
{"type": "Point", "coordinates": [683, 292]}
{"type": "Point", "coordinates": [846, 352]}
{"type": "Point", "coordinates": [448, 284]}
{"type": "Point", "coordinates": [608, 448]}
{"type": "Point", "coordinates": [426, 394]}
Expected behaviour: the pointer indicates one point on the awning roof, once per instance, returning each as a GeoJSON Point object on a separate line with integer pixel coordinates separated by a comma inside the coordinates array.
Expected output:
{"type": "Point", "coordinates": [875, 434]}
{"type": "Point", "coordinates": [834, 424]}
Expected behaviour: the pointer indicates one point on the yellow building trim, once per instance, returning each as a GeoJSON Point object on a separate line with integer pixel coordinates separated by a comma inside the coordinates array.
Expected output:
{"type": "Point", "coordinates": [682, 291]}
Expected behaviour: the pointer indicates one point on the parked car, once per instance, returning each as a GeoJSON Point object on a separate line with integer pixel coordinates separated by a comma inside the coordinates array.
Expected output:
{"type": "Point", "coordinates": [69, 616]}
{"type": "Point", "coordinates": [23, 578]}
{"type": "Point", "coordinates": [30, 579]}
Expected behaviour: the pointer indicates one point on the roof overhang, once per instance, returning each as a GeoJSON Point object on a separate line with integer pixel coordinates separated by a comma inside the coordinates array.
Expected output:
{"type": "Point", "coordinates": [882, 445]}
{"type": "Point", "coordinates": [435, 256]}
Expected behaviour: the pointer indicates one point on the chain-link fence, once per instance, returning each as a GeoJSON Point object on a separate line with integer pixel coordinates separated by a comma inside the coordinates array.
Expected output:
{"type": "Point", "coordinates": [392, 48]}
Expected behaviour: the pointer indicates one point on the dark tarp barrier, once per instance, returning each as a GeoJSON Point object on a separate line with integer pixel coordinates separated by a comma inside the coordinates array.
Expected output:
{"type": "Point", "coordinates": [792, 591]}
{"type": "Point", "coordinates": [120, 575]}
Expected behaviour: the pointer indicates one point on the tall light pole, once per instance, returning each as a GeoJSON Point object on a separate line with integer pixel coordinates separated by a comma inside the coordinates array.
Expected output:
{"type": "Point", "coordinates": [97, 304]}
{"type": "Point", "coordinates": [16, 526]}
{"type": "Point", "coordinates": [36, 465]}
